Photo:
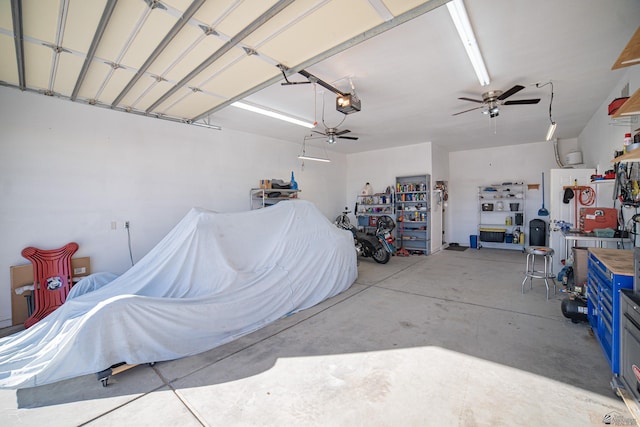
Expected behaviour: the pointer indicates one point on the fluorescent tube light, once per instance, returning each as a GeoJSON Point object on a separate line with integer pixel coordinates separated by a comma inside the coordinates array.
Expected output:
{"type": "Point", "coordinates": [550, 132]}
{"type": "Point", "coordinates": [461, 21]}
{"type": "Point", "coordinates": [317, 159]}
{"type": "Point", "coordinates": [272, 113]}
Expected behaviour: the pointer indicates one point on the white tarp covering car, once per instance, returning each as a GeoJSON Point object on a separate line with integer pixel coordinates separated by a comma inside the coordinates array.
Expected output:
{"type": "Point", "coordinates": [212, 279]}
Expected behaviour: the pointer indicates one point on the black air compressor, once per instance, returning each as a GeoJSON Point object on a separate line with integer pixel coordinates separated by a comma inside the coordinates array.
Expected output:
{"type": "Point", "coordinates": [575, 309]}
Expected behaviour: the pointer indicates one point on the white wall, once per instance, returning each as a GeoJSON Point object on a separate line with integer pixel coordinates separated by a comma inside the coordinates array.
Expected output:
{"type": "Point", "coordinates": [473, 168]}
{"type": "Point", "coordinates": [381, 167]}
{"type": "Point", "coordinates": [67, 171]}
{"type": "Point", "coordinates": [603, 135]}
{"type": "Point", "coordinates": [469, 169]}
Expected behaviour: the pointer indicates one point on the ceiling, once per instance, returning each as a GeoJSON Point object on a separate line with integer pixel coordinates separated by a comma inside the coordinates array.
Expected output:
{"type": "Point", "coordinates": [189, 60]}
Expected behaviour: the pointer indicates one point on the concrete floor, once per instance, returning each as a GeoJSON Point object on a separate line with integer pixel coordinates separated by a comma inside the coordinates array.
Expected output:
{"type": "Point", "coordinates": [443, 340]}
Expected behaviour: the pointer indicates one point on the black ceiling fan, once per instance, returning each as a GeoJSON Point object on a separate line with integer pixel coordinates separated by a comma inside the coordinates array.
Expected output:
{"type": "Point", "coordinates": [333, 133]}
{"type": "Point", "coordinates": [493, 99]}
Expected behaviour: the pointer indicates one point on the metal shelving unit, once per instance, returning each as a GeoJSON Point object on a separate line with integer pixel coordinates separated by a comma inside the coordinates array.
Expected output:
{"type": "Point", "coordinates": [370, 207]}
{"type": "Point", "coordinates": [501, 210]}
{"type": "Point", "coordinates": [262, 198]}
{"type": "Point", "coordinates": [413, 213]}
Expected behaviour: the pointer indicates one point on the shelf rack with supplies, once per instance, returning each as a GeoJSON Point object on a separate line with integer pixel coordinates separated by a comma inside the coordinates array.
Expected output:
{"type": "Point", "coordinates": [265, 197]}
{"type": "Point", "coordinates": [413, 214]}
{"type": "Point", "coordinates": [501, 211]}
{"type": "Point", "coordinates": [370, 207]}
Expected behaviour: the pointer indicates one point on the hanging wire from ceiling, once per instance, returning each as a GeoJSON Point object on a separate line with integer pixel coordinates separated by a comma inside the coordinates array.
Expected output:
{"type": "Point", "coordinates": [552, 124]}
{"type": "Point", "coordinates": [325, 125]}
{"type": "Point", "coordinates": [304, 156]}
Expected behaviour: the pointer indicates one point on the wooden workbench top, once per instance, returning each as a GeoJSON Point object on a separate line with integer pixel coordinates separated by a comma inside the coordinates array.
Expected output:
{"type": "Point", "coordinates": [618, 261]}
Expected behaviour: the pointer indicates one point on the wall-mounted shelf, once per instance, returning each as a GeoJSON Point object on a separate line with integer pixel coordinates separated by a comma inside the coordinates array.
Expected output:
{"type": "Point", "coordinates": [631, 156]}
{"type": "Point", "coordinates": [630, 108]}
{"type": "Point", "coordinates": [262, 198]}
{"type": "Point", "coordinates": [630, 55]}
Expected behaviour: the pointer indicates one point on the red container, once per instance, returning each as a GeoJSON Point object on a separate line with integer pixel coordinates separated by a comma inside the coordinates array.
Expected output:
{"type": "Point", "coordinates": [615, 104]}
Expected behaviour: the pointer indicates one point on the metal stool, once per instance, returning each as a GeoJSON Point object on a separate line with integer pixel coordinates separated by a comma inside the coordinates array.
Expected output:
{"type": "Point", "coordinates": [546, 274]}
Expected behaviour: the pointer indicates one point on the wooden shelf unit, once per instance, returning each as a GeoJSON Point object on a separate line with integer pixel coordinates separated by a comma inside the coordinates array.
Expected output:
{"type": "Point", "coordinates": [630, 55]}
{"type": "Point", "coordinates": [631, 156]}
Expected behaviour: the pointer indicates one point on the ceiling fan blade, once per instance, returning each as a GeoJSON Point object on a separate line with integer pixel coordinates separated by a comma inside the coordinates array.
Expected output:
{"type": "Point", "coordinates": [342, 132]}
{"type": "Point", "coordinates": [348, 137]}
{"type": "Point", "coordinates": [466, 111]}
{"type": "Point", "coordinates": [472, 100]}
{"type": "Point", "coordinates": [318, 132]}
{"type": "Point", "coordinates": [522, 101]}
{"type": "Point", "coordinates": [513, 90]}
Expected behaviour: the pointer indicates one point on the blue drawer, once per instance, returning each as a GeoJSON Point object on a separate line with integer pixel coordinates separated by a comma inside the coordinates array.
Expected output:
{"type": "Point", "coordinates": [603, 307]}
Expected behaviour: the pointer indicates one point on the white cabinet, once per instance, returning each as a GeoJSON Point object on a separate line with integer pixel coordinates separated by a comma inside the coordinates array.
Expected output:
{"type": "Point", "coordinates": [262, 198]}
{"type": "Point", "coordinates": [501, 210]}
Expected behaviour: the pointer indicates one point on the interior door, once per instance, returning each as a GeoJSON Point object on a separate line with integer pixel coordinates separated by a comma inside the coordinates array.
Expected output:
{"type": "Point", "coordinates": [560, 211]}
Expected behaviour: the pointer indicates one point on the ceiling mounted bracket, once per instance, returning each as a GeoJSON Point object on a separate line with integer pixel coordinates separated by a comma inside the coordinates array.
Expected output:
{"type": "Point", "coordinates": [249, 51]}
{"type": "Point", "coordinates": [346, 103]}
{"type": "Point", "coordinates": [208, 31]}
{"type": "Point", "coordinates": [321, 82]}
{"type": "Point", "coordinates": [56, 49]}
{"type": "Point", "coordinates": [114, 65]}
{"type": "Point", "coordinates": [283, 69]}
{"type": "Point", "coordinates": [153, 4]}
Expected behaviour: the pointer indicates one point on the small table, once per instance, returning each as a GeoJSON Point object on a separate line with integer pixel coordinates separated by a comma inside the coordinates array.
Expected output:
{"type": "Point", "coordinates": [571, 237]}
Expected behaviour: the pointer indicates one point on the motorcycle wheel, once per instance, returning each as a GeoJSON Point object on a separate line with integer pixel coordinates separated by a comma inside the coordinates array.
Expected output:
{"type": "Point", "coordinates": [381, 256]}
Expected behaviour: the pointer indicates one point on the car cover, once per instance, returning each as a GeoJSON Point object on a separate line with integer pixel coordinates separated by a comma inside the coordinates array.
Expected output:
{"type": "Point", "coordinates": [213, 278]}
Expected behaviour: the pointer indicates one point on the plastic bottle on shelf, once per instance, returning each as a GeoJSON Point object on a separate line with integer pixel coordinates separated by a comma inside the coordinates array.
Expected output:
{"type": "Point", "coordinates": [367, 190]}
{"type": "Point", "coordinates": [627, 141]}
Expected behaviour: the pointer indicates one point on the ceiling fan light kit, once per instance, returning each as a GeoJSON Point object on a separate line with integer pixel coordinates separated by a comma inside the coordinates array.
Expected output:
{"type": "Point", "coordinates": [333, 134]}
{"type": "Point", "coordinates": [493, 99]}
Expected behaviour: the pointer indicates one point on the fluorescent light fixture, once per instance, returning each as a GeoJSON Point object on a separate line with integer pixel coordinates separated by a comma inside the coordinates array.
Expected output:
{"type": "Point", "coordinates": [461, 21]}
{"type": "Point", "coordinates": [272, 113]}
{"type": "Point", "coordinates": [551, 131]}
{"type": "Point", "coordinates": [316, 159]}
{"type": "Point", "coordinates": [303, 155]}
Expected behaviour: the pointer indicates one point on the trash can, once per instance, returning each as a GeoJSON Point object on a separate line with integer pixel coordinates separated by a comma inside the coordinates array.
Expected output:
{"type": "Point", "coordinates": [473, 241]}
{"type": "Point", "coordinates": [537, 233]}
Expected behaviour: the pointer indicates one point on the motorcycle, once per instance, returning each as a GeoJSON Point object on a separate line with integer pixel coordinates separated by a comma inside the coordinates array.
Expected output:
{"type": "Point", "coordinates": [379, 245]}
